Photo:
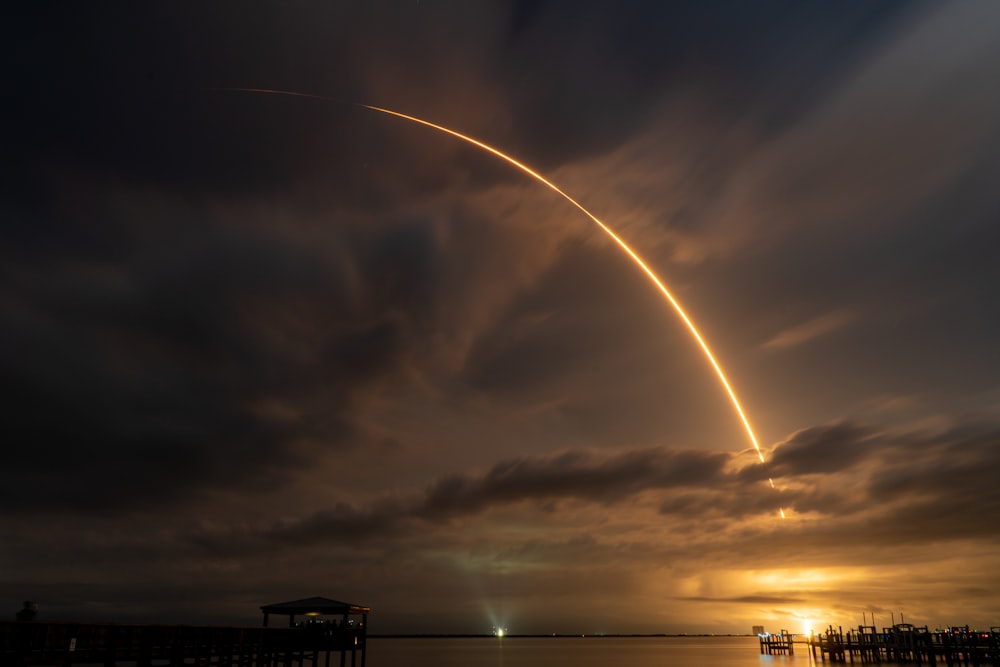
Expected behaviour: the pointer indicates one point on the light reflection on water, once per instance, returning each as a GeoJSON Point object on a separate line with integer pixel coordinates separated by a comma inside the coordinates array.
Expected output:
{"type": "Point", "coordinates": [577, 652]}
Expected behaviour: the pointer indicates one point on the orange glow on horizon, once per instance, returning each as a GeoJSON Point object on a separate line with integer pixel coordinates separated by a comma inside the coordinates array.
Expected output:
{"type": "Point", "coordinates": [607, 230]}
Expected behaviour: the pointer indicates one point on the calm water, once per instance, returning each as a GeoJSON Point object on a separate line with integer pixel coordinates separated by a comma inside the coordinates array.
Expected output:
{"type": "Point", "coordinates": [577, 652]}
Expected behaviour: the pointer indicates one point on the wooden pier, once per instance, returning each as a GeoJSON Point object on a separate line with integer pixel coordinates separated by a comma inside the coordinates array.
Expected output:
{"type": "Point", "coordinates": [953, 647]}
{"type": "Point", "coordinates": [780, 643]}
{"type": "Point", "coordinates": [311, 641]}
{"type": "Point", "coordinates": [49, 644]}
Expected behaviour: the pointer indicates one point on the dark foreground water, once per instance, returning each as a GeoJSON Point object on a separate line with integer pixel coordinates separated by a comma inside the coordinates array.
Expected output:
{"type": "Point", "coordinates": [577, 652]}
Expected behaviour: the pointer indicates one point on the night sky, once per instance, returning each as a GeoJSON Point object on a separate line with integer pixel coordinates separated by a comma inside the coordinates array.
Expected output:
{"type": "Point", "coordinates": [257, 348]}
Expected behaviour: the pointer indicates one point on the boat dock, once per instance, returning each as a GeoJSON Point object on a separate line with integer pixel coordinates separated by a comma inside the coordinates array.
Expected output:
{"type": "Point", "coordinates": [956, 646]}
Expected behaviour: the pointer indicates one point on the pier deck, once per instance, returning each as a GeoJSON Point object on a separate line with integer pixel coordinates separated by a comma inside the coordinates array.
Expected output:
{"type": "Point", "coordinates": [53, 644]}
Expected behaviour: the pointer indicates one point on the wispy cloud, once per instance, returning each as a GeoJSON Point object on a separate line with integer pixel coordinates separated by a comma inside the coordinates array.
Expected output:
{"type": "Point", "coordinates": [809, 330]}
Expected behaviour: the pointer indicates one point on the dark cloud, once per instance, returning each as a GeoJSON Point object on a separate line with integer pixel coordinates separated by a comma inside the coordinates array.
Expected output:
{"type": "Point", "coordinates": [572, 475]}
{"type": "Point", "coordinates": [696, 484]}
{"type": "Point", "coordinates": [125, 90]}
{"type": "Point", "coordinates": [585, 73]}
{"type": "Point", "coordinates": [823, 449]}
{"type": "Point", "coordinates": [943, 490]}
{"type": "Point", "coordinates": [143, 377]}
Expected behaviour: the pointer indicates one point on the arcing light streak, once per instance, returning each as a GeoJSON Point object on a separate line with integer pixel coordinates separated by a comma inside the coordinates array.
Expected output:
{"type": "Point", "coordinates": [607, 230]}
{"type": "Point", "coordinates": [617, 239]}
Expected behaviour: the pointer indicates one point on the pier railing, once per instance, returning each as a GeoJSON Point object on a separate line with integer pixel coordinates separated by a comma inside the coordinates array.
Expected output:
{"type": "Point", "coordinates": [38, 644]}
{"type": "Point", "coordinates": [906, 643]}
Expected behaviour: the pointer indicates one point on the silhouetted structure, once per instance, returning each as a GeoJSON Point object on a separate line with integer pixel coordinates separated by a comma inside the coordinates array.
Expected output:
{"type": "Point", "coordinates": [29, 612]}
{"type": "Point", "coordinates": [349, 634]}
{"type": "Point", "coordinates": [315, 607]}
{"type": "Point", "coordinates": [307, 642]}
{"type": "Point", "coordinates": [779, 643]}
{"type": "Point", "coordinates": [909, 644]}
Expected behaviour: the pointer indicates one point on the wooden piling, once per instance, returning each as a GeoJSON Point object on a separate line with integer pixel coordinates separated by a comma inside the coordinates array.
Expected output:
{"type": "Point", "coordinates": [905, 643]}
{"type": "Point", "coordinates": [780, 643]}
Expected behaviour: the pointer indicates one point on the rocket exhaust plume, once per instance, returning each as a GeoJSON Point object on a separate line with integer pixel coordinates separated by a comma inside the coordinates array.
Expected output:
{"type": "Point", "coordinates": [607, 230]}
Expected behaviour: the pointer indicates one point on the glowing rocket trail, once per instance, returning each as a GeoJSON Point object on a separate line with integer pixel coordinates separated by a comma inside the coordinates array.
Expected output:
{"type": "Point", "coordinates": [607, 230]}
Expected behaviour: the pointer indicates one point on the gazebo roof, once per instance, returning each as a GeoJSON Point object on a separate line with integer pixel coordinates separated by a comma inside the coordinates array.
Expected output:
{"type": "Point", "coordinates": [316, 605]}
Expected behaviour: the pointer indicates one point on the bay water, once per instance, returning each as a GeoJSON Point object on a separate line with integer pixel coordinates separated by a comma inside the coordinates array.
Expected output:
{"type": "Point", "coordinates": [591, 651]}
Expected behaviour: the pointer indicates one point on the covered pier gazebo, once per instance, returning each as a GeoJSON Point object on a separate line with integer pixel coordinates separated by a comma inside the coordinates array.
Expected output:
{"type": "Point", "coordinates": [345, 627]}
